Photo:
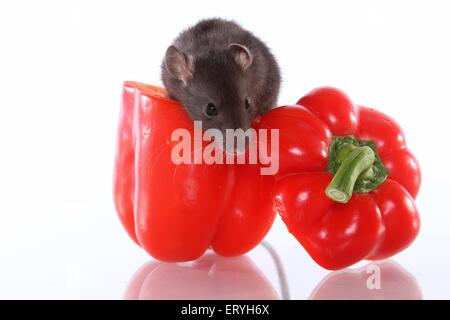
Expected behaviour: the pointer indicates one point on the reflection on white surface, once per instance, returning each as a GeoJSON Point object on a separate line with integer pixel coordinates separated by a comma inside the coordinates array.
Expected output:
{"type": "Point", "coordinates": [376, 281]}
{"type": "Point", "coordinates": [210, 277]}
{"type": "Point", "coordinates": [215, 277]}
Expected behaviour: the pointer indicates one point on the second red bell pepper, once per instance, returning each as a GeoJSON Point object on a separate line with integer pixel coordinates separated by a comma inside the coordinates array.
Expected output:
{"type": "Point", "coordinates": [351, 181]}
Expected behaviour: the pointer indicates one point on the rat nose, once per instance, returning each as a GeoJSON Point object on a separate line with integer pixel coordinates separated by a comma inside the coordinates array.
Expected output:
{"type": "Point", "coordinates": [238, 140]}
{"type": "Point", "coordinates": [241, 148]}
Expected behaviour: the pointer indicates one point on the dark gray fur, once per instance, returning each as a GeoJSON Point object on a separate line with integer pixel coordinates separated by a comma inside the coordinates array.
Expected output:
{"type": "Point", "coordinates": [218, 78]}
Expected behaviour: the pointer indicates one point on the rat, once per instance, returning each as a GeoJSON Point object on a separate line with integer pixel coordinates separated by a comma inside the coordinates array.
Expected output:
{"type": "Point", "coordinates": [222, 74]}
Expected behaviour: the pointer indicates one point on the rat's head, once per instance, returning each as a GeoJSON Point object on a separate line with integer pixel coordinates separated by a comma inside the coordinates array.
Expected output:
{"type": "Point", "coordinates": [215, 88]}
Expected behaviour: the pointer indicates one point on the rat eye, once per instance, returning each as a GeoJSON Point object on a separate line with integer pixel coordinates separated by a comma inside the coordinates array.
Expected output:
{"type": "Point", "coordinates": [248, 103]}
{"type": "Point", "coordinates": [211, 109]}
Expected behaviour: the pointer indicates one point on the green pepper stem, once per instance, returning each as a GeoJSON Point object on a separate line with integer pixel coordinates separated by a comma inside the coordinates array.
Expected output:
{"type": "Point", "coordinates": [355, 163]}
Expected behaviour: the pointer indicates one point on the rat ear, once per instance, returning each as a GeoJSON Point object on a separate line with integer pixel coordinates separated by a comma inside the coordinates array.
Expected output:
{"type": "Point", "coordinates": [241, 54]}
{"type": "Point", "coordinates": [179, 65]}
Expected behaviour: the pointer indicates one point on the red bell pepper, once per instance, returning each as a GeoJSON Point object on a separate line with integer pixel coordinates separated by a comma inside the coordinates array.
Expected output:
{"type": "Point", "coordinates": [177, 211]}
{"type": "Point", "coordinates": [352, 181]}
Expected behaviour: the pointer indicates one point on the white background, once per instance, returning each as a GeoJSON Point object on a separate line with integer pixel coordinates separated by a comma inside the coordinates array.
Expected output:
{"type": "Point", "coordinates": [61, 68]}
